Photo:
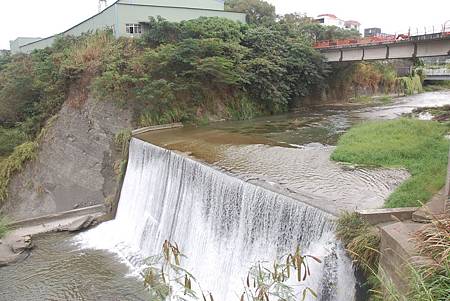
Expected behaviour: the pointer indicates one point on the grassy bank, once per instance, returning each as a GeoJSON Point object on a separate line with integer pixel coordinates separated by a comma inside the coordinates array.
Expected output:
{"type": "Point", "coordinates": [437, 86]}
{"type": "Point", "coordinates": [419, 146]}
{"type": "Point", "coordinates": [429, 281]}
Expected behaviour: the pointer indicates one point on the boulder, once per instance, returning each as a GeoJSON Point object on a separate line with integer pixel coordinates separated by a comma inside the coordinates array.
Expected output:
{"type": "Point", "coordinates": [80, 224]}
{"type": "Point", "coordinates": [14, 249]}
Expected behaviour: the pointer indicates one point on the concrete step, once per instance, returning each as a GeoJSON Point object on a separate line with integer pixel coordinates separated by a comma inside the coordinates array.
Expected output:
{"type": "Point", "coordinates": [399, 253]}
{"type": "Point", "coordinates": [435, 207]}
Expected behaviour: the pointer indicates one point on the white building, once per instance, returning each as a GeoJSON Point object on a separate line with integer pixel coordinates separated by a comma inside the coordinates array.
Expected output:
{"type": "Point", "coordinates": [332, 20]}
{"type": "Point", "coordinates": [129, 17]}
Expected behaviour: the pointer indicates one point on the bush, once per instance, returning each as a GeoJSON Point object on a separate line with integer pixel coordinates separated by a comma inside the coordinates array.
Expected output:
{"type": "Point", "coordinates": [361, 240]}
{"type": "Point", "coordinates": [14, 164]}
{"type": "Point", "coordinates": [419, 146]}
{"type": "Point", "coordinates": [410, 85]}
{"type": "Point", "coordinates": [9, 139]}
{"type": "Point", "coordinates": [122, 141]}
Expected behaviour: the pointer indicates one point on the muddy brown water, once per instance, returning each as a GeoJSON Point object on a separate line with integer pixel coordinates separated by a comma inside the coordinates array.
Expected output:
{"type": "Point", "coordinates": [289, 152]}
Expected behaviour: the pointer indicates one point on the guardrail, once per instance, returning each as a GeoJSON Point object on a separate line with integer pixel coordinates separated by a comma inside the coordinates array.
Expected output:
{"type": "Point", "coordinates": [437, 72]}
{"type": "Point", "coordinates": [443, 32]}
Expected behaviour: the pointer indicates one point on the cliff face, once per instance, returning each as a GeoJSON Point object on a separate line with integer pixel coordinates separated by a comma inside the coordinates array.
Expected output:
{"type": "Point", "coordinates": [75, 165]}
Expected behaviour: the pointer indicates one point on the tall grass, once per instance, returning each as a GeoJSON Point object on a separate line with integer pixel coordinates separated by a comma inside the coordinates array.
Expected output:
{"type": "Point", "coordinates": [9, 139]}
{"type": "Point", "coordinates": [410, 85]}
{"type": "Point", "coordinates": [3, 227]}
{"type": "Point", "coordinates": [419, 146]}
{"type": "Point", "coordinates": [150, 117]}
{"type": "Point", "coordinates": [14, 164]}
{"type": "Point", "coordinates": [361, 241]}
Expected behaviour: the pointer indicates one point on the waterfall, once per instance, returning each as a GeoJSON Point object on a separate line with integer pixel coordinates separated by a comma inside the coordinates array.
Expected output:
{"type": "Point", "coordinates": [221, 223]}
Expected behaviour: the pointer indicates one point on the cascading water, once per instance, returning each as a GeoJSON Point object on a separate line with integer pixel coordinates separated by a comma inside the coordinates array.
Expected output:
{"type": "Point", "coordinates": [221, 223]}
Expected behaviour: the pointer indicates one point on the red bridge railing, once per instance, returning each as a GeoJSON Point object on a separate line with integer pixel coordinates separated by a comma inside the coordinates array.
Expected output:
{"type": "Point", "coordinates": [384, 38]}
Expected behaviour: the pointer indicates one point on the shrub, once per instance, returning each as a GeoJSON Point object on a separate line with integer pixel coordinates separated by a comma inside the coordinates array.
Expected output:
{"type": "Point", "coordinates": [361, 240]}
{"type": "Point", "coordinates": [9, 139]}
{"type": "Point", "coordinates": [122, 141]}
{"type": "Point", "coordinates": [410, 85]}
{"type": "Point", "coordinates": [15, 163]}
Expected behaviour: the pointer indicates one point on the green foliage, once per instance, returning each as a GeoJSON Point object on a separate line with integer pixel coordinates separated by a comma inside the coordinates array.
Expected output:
{"type": "Point", "coordinates": [410, 85]}
{"type": "Point", "coordinates": [5, 58]}
{"type": "Point", "coordinates": [429, 280]}
{"type": "Point", "coordinates": [14, 164]}
{"type": "Point", "coordinates": [419, 146]}
{"type": "Point", "coordinates": [189, 69]}
{"type": "Point", "coordinates": [361, 240]}
{"type": "Point", "coordinates": [150, 118]}
{"type": "Point", "coordinates": [242, 109]}
{"type": "Point", "coordinates": [9, 139]}
{"type": "Point", "coordinates": [437, 86]}
{"type": "Point", "coordinates": [166, 279]}
{"type": "Point", "coordinates": [349, 79]}
{"type": "Point", "coordinates": [257, 11]}
{"type": "Point", "coordinates": [122, 141]}
{"type": "Point", "coordinates": [3, 227]}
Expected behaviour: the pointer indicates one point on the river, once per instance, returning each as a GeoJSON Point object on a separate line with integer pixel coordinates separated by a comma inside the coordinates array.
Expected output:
{"type": "Point", "coordinates": [287, 153]}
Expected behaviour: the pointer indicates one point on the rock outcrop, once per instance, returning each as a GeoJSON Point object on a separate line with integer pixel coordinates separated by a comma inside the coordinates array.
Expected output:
{"type": "Point", "coordinates": [14, 248]}
{"type": "Point", "coordinates": [75, 165]}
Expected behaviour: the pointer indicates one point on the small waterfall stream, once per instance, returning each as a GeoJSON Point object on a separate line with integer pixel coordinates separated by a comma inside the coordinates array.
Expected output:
{"type": "Point", "coordinates": [221, 223]}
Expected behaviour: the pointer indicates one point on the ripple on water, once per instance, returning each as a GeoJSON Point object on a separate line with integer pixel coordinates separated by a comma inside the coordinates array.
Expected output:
{"type": "Point", "coordinates": [309, 171]}
{"type": "Point", "coordinates": [57, 270]}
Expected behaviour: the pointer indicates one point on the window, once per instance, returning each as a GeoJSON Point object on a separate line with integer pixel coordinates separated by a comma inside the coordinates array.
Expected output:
{"type": "Point", "coordinates": [133, 28]}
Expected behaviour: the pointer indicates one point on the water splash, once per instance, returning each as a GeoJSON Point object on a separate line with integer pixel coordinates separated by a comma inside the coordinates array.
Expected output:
{"type": "Point", "coordinates": [223, 224]}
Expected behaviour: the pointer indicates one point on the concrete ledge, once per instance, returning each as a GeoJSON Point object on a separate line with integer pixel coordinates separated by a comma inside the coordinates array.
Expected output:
{"type": "Point", "coordinates": [157, 128]}
{"type": "Point", "coordinates": [434, 208]}
{"type": "Point", "coordinates": [385, 215]}
{"type": "Point", "coordinates": [57, 216]}
{"type": "Point", "coordinates": [398, 252]}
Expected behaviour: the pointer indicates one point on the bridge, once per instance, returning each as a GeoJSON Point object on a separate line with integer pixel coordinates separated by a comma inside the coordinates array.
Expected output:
{"type": "Point", "coordinates": [437, 74]}
{"type": "Point", "coordinates": [386, 47]}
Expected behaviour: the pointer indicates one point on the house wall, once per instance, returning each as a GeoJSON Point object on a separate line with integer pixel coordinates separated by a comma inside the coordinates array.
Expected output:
{"type": "Point", "coordinates": [205, 4]}
{"type": "Point", "coordinates": [105, 19]}
{"type": "Point", "coordinates": [135, 11]}
{"type": "Point", "coordinates": [17, 43]}
{"type": "Point", "coordinates": [130, 14]}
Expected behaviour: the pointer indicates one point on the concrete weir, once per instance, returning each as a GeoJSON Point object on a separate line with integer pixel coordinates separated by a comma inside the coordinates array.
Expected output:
{"type": "Point", "coordinates": [18, 242]}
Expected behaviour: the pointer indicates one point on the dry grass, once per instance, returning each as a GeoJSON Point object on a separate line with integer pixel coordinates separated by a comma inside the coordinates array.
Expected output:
{"type": "Point", "coordinates": [434, 240]}
{"type": "Point", "coordinates": [361, 241]}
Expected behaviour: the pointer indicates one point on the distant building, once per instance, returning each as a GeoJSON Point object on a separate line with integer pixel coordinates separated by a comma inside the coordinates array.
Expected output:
{"type": "Point", "coordinates": [19, 42]}
{"type": "Point", "coordinates": [352, 24]}
{"type": "Point", "coordinates": [372, 32]}
{"type": "Point", "coordinates": [128, 18]}
{"type": "Point", "coordinates": [332, 20]}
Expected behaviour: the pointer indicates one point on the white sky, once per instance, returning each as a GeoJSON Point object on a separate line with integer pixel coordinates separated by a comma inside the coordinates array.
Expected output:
{"type": "Point", "coordinates": [42, 18]}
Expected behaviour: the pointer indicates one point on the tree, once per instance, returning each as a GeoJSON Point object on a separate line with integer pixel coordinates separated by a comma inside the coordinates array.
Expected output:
{"type": "Point", "coordinates": [258, 11]}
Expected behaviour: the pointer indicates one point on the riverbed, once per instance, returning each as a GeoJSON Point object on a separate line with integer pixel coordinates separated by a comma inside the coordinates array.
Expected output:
{"type": "Point", "coordinates": [288, 152]}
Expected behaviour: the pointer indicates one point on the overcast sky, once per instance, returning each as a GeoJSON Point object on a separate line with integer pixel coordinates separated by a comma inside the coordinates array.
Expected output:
{"type": "Point", "coordinates": [42, 18]}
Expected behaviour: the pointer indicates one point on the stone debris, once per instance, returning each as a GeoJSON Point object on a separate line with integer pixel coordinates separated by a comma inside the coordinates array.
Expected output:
{"type": "Point", "coordinates": [80, 224]}
{"type": "Point", "coordinates": [14, 249]}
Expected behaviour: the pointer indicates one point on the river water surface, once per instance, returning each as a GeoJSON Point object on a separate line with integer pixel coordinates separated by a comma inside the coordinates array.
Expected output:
{"type": "Point", "coordinates": [289, 153]}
